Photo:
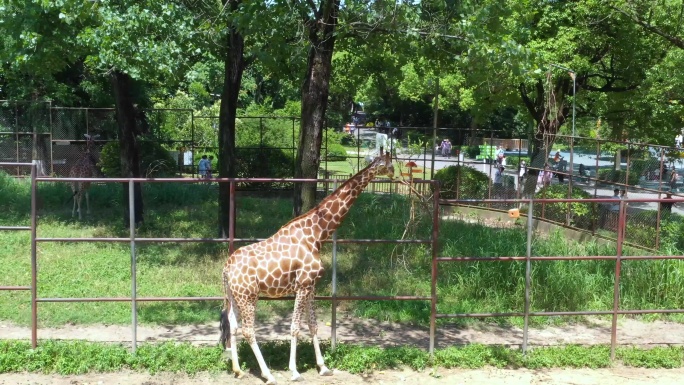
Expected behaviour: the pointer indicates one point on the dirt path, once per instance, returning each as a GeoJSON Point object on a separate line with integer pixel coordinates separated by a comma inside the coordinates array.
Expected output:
{"type": "Point", "coordinates": [596, 331]}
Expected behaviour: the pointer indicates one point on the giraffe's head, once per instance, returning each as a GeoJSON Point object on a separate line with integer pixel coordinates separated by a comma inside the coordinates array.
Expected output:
{"type": "Point", "coordinates": [92, 152]}
{"type": "Point", "coordinates": [383, 164]}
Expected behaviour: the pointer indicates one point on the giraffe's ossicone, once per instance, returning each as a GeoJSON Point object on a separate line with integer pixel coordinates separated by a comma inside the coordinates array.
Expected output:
{"type": "Point", "coordinates": [288, 263]}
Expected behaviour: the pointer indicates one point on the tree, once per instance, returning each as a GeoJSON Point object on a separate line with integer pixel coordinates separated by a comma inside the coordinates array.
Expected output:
{"type": "Point", "coordinates": [234, 67]}
{"type": "Point", "coordinates": [320, 26]}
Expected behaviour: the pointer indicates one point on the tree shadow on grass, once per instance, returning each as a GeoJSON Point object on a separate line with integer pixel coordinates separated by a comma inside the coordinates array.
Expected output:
{"type": "Point", "coordinates": [179, 312]}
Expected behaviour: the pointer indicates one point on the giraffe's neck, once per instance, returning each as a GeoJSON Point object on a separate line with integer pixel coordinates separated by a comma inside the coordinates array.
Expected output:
{"type": "Point", "coordinates": [329, 214]}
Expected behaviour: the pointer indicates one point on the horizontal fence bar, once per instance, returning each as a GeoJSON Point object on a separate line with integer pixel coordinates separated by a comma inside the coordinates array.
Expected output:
{"type": "Point", "coordinates": [12, 288]}
{"type": "Point", "coordinates": [287, 298]}
{"type": "Point", "coordinates": [557, 258]}
{"type": "Point", "coordinates": [2, 228]}
{"type": "Point", "coordinates": [204, 180]}
{"type": "Point", "coordinates": [560, 313]}
{"type": "Point", "coordinates": [454, 202]}
{"type": "Point", "coordinates": [221, 240]}
{"type": "Point", "coordinates": [16, 164]}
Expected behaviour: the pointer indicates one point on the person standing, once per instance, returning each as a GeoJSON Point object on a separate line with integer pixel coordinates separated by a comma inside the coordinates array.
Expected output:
{"type": "Point", "coordinates": [209, 167]}
{"type": "Point", "coordinates": [673, 179]}
{"type": "Point", "coordinates": [666, 207]}
{"type": "Point", "coordinates": [202, 166]}
{"type": "Point", "coordinates": [522, 170]}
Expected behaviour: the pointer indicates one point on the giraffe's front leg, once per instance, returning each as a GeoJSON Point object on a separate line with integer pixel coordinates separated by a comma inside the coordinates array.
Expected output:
{"type": "Point", "coordinates": [313, 328]}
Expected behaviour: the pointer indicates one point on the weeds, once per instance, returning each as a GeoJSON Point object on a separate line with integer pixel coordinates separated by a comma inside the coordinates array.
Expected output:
{"type": "Point", "coordinates": [69, 357]}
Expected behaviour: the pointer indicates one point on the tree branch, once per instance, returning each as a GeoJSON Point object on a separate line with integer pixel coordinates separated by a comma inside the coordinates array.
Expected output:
{"type": "Point", "coordinates": [676, 41]}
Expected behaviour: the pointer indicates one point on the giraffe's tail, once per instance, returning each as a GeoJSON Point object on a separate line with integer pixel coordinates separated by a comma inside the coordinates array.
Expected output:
{"type": "Point", "coordinates": [75, 191]}
{"type": "Point", "coordinates": [224, 325]}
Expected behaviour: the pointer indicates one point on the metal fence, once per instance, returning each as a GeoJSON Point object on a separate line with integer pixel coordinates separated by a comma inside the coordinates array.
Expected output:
{"type": "Point", "coordinates": [436, 261]}
{"type": "Point", "coordinates": [54, 136]}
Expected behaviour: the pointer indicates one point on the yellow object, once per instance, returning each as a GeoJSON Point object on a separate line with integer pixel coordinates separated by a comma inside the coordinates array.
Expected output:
{"type": "Point", "coordinates": [514, 213]}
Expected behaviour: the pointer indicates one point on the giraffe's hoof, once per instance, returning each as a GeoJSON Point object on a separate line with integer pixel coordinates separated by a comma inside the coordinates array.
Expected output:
{"type": "Point", "coordinates": [271, 380]}
{"type": "Point", "coordinates": [239, 373]}
{"type": "Point", "coordinates": [296, 377]}
{"type": "Point", "coordinates": [325, 371]}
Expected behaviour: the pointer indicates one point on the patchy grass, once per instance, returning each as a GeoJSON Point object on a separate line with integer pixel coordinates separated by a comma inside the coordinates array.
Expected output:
{"type": "Point", "coordinates": [102, 269]}
{"type": "Point", "coordinates": [68, 358]}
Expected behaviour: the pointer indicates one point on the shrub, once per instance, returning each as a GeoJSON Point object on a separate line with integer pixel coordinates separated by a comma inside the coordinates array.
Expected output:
{"type": "Point", "coordinates": [513, 161]}
{"type": "Point", "coordinates": [471, 151]}
{"type": "Point", "coordinates": [583, 214]}
{"type": "Point", "coordinates": [265, 162]}
{"type": "Point", "coordinates": [336, 152]}
{"type": "Point", "coordinates": [618, 176]}
{"type": "Point", "coordinates": [468, 182]}
{"type": "Point", "coordinates": [156, 160]}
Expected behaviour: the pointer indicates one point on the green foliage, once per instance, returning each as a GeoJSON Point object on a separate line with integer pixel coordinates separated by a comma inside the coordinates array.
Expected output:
{"type": "Point", "coordinates": [462, 181]}
{"type": "Point", "coordinates": [336, 152]}
{"type": "Point", "coordinates": [156, 160]}
{"type": "Point", "coordinates": [472, 151]}
{"type": "Point", "coordinates": [514, 160]}
{"type": "Point", "coordinates": [72, 357]}
{"type": "Point", "coordinates": [618, 176]}
{"type": "Point", "coordinates": [583, 214]}
{"type": "Point", "coordinates": [264, 162]}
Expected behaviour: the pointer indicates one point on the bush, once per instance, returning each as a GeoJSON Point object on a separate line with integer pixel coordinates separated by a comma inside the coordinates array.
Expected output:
{"type": "Point", "coordinates": [468, 182]}
{"type": "Point", "coordinates": [156, 160]}
{"type": "Point", "coordinates": [513, 161]}
{"type": "Point", "coordinates": [471, 151]}
{"type": "Point", "coordinates": [336, 152]}
{"type": "Point", "coordinates": [584, 214]}
{"type": "Point", "coordinates": [618, 176]}
{"type": "Point", "coordinates": [265, 162]}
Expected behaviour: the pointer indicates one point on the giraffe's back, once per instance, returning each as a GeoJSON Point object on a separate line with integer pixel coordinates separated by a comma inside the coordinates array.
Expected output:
{"type": "Point", "coordinates": [274, 267]}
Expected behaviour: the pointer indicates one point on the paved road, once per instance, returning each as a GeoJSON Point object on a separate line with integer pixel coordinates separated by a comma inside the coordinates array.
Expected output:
{"type": "Point", "coordinates": [589, 160]}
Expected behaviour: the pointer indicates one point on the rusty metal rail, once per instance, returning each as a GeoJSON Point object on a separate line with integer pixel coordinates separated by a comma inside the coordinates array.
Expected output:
{"type": "Point", "coordinates": [334, 298]}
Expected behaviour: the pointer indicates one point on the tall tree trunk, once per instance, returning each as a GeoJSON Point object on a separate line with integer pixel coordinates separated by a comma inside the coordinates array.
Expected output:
{"type": "Point", "coordinates": [234, 66]}
{"type": "Point", "coordinates": [315, 92]}
{"type": "Point", "coordinates": [128, 142]}
{"type": "Point", "coordinates": [549, 116]}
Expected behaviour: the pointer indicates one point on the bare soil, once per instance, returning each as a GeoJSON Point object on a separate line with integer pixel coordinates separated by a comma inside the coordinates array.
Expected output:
{"type": "Point", "coordinates": [384, 334]}
{"type": "Point", "coordinates": [595, 331]}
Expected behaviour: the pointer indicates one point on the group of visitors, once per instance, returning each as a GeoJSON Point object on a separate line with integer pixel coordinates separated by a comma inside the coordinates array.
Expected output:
{"type": "Point", "coordinates": [444, 148]}
{"type": "Point", "coordinates": [204, 167]}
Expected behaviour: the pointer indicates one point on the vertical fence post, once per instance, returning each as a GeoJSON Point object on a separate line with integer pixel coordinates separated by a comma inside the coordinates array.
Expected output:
{"type": "Point", "coordinates": [528, 268]}
{"type": "Point", "coordinates": [616, 288]}
{"type": "Point", "coordinates": [231, 218]}
{"type": "Point", "coordinates": [34, 258]}
{"type": "Point", "coordinates": [333, 321]}
{"type": "Point", "coordinates": [134, 294]}
{"type": "Point", "coordinates": [435, 246]}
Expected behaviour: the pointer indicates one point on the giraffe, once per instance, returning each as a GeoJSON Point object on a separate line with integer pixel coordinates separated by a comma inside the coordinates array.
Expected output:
{"type": "Point", "coordinates": [288, 262]}
{"type": "Point", "coordinates": [85, 167]}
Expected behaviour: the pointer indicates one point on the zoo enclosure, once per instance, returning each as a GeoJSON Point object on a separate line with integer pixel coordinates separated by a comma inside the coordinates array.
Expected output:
{"type": "Point", "coordinates": [436, 259]}
{"type": "Point", "coordinates": [54, 135]}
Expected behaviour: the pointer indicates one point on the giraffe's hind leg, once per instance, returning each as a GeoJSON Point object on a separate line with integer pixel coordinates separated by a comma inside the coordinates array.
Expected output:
{"type": "Point", "coordinates": [87, 203]}
{"type": "Point", "coordinates": [313, 328]}
{"type": "Point", "coordinates": [229, 325]}
{"type": "Point", "coordinates": [247, 313]}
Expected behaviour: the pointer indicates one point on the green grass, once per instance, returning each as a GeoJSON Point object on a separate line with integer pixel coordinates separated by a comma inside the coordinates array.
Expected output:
{"type": "Point", "coordinates": [75, 357]}
{"type": "Point", "coordinates": [193, 269]}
